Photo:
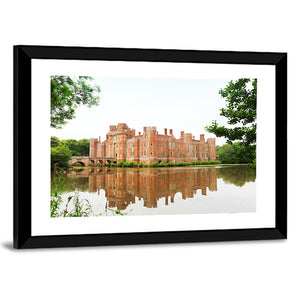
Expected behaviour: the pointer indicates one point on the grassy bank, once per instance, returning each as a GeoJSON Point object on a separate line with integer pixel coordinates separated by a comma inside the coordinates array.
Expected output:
{"type": "Point", "coordinates": [126, 164]}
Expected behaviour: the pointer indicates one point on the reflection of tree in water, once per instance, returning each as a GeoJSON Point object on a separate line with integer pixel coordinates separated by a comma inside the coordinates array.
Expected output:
{"type": "Point", "coordinates": [237, 175]}
{"type": "Point", "coordinates": [73, 183]}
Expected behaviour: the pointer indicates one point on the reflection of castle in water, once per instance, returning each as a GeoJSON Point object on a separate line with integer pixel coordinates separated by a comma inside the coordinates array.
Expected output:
{"type": "Point", "coordinates": [122, 186]}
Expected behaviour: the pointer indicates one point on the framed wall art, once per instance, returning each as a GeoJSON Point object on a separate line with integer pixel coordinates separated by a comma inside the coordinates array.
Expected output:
{"type": "Point", "coordinates": [120, 146]}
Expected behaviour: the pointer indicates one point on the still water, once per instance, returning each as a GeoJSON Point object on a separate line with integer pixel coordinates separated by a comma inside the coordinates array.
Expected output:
{"type": "Point", "coordinates": [161, 191]}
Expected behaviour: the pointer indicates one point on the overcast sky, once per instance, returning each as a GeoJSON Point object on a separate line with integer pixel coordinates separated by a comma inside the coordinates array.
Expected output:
{"type": "Point", "coordinates": [180, 104]}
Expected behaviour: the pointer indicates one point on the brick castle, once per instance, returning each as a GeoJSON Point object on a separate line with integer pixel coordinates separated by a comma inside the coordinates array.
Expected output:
{"type": "Point", "coordinates": [122, 143]}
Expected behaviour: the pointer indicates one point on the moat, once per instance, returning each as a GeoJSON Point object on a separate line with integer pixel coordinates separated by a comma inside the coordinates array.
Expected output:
{"type": "Point", "coordinates": [159, 191]}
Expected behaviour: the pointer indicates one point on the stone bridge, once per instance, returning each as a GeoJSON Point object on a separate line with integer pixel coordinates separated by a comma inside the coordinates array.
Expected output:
{"type": "Point", "coordinates": [86, 160]}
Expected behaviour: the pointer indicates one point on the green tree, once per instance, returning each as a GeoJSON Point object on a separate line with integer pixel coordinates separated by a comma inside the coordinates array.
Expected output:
{"type": "Point", "coordinates": [240, 110]}
{"type": "Point", "coordinates": [73, 146]}
{"type": "Point", "coordinates": [243, 153]}
{"type": "Point", "coordinates": [226, 154]}
{"type": "Point", "coordinates": [54, 141]}
{"type": "Point", "coordinates": [67, 94]}
{"type": "Point", "coordinates": [84, 147]}
{"type": "Point", "coordinates": [61, 155]}
{"type": "Point", "coordinates": [236, 153]}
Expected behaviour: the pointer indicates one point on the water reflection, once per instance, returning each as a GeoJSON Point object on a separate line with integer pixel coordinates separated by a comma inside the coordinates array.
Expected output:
{"type": "Point", "coordinates": [165, 186]}
{"type": "Point", "coordinates": [237, 175]}
{"type": "Point", "coordinates": [121, 186]}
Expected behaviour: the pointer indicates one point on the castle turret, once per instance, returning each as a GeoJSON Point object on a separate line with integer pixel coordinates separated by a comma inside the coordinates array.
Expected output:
{"type": "Point", "coordinates": [151, 144]}
{"type": "Point", "coordinates": [93, 147]}
{"type": "Point", "coordinates": [211, 148]}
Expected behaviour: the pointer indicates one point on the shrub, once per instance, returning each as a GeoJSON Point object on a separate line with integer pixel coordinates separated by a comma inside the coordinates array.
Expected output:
{"type": "Point", "coordinates": [121, 164]}
{"type": "Point", "coordinates": [132, 164]}
{"type": "Point", "coordinates": [154, 165]}
{"type": "Point", "coordinates": [161, 164]}
{"type": "Point", "coordinates": [61, 155]}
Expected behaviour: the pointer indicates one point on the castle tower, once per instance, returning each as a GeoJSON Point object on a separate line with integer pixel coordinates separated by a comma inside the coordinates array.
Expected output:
{"type": "Point", "coordinates": [151, 154]}
{"type": "Point", "coordinates": [189, 146]}
{"type": "Point", "coordinates": [211, 148]}
{"type": "Point", "coordinates": [120, 148]}
{"type": "Point", "coordinates": [93, 147]}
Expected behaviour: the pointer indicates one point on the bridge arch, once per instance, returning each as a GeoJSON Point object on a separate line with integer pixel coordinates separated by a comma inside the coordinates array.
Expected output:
{"type": "Point", "coordinates": [78, 164]}
{"type": "Point", "coordinates": [101, 162]}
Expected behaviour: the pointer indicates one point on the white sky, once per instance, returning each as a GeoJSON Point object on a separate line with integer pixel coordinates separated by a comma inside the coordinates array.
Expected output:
{"type": "Point", "coordinates": [181, 104]}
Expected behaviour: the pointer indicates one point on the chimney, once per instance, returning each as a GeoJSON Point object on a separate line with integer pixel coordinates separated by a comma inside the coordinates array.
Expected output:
{"type": "Point", "coordinates": [139, 133]}
{"type": "Point", "coordinates": [193, 137]}
{"type": "Point", "coordinates": [171, 131]}
{"type": "Point", "coordinates": [166, 131]}
{"type": "Point", "coordinates": [202, 139]}
{"type": "Point", "coordinates": [181, 134]}
{"type": "Point", "coordinates": [144, 129]}
{"type": "Point", "coordinates": [133, 132]}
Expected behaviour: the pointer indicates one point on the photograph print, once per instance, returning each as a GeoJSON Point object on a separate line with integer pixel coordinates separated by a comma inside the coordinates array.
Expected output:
{"type": "Point", "coordinates": [129, 146]}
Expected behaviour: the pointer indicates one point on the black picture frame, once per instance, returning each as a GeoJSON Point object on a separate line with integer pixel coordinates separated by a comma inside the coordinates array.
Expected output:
{"type": "Point", "coordinates": [23, 56]}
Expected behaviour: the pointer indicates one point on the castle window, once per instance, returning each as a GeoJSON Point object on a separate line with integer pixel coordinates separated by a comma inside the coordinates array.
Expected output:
{"type": "Point", "coordinates": [188, 149]}
{"type": "Point", "coordinates": [144, 144]}
{"type": "Point", "coordinates": [202, 155]}
{"type": "Point", "coordinates": [164, 145]}
{"type": "Point", "coordinates": [164, 153]}
{"type": "Point", "coordinates": [145, 153]}
{"type": "Point", "coordinates": [132, 145]}
{"type": "Point", "coordinates": [202, 148]}
{"type": "Point", "coordinates": [151, 153]}
{"type": "Point", "coordinates": [116, 155]}
{"type": "Point", "coordinates": [206, 154]}
{"type": "Point", "coordinates": [172, 145]}
{"type": "Point", "coordinates": [171, 152]}
{"type": "Point", "coordinates": [151, 145]}
{"type": "Point", "coordinates": [178, 147]}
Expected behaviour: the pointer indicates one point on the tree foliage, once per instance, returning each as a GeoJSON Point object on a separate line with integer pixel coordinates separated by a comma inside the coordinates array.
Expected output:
{"type": "Point", "coordinates": [54, 141]}
{"type": "Point", "coordinates": [76, 148]}
{"type": "Point", "coordinates": [236, 153]}
{"type": "Point", "coordinates": [240, 111]}
{"type": "Point", "coordinates": [61, 155]}
{"type": "Point", "coordinates": [67, 94]}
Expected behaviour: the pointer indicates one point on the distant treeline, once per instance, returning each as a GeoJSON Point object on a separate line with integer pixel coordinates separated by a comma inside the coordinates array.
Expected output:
{"type": "Point", "coordinates": [77, 148]}
{"type": "Point", "coordinates": [62, 150]}
{"type": "Point", "coordinates": [236, 153]}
